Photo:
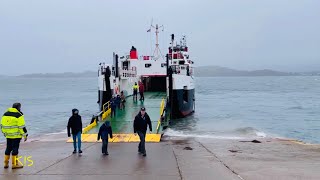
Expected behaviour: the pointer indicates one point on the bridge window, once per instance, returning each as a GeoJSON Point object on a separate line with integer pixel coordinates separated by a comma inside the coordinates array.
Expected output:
{"type": "Point", "coordinates": [147, 65]}
{"type": "Point", "coordinates": [163, 64]}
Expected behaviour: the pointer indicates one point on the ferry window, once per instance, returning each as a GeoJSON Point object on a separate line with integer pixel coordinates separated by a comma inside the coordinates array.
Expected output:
{"type": "Point", "coordinates": [163, 64]}
{"type": "Point", "coordinates": [125, 65]}
{"type": "Point", "coordinates": [182, 67]}
{"type": "Point", "coordinates": [173, 69]}
{"type": "Point", "coordinates": [185, 95]}
{"type": "Point", "coordinates": [147, 65]}
{"type": "Point", "coordinates": [181, 62]}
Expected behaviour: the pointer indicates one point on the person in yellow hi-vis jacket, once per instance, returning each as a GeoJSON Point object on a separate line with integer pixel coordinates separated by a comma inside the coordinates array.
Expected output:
{"type": "Point", "coordinates": [135, 88]}
{"type": "Point", "coordinates": [13, 128]}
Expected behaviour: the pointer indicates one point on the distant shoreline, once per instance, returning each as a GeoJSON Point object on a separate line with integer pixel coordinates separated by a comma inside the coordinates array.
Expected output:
{"type": "Point", "coordinates": [201, 71]}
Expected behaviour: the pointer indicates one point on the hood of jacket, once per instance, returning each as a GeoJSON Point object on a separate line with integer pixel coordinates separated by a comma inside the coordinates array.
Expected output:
{"type": "Point", "coordinates": [75, 111]}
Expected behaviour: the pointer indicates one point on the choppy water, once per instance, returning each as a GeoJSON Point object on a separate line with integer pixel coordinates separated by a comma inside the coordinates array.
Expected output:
{"type": "Point", "coordinates": [230, 108]}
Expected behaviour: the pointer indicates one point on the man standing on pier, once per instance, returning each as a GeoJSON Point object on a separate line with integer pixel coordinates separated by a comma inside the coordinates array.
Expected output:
{"type": "Point", "coordinates": [13, 128]}
{"type": "Point", "coordinates": [75, 124]}
{"type": "Point", "coordinates": [140, 125]}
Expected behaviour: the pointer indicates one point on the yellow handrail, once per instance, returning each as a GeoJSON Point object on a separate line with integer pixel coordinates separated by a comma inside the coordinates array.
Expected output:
{"type": "Point", "coordinates": [161, 114]}
{"type": "Point", "coordinates": [106, 110]}
{"type": "Point", "coordinates": [104, 105]}
{"type": "Point", "coordinates": [90, 126]}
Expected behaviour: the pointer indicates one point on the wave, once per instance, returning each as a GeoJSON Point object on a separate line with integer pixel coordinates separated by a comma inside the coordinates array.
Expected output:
{"type": "Point", "coordinates": [239, 133]}
{"type": "Point", "coordinates": [296, 107]}
{"type": "Point", "coordinates": [249, 131]}
{"type": "Point", "coordinates": [173, 133]}
{"type": "Point", "coordinates": [56, 133]}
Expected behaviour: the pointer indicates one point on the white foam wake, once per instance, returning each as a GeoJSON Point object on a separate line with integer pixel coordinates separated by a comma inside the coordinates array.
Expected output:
{"type": "Point", "coordinates": [242, 133]}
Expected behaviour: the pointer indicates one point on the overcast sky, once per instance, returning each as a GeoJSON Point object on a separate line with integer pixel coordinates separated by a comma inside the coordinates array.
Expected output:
{"type": "Point", "coordinates": [38, 36]}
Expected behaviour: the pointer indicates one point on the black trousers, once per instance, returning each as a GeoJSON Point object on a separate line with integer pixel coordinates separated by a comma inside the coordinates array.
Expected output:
{"type": "Point", "coordinates": [135, 94]}
{"type": "Point", "coordinates": [141, 96]}
{"type": "Point", "coordinates": [105, 146]}
{"type": "Point", "coordinates": [12, 146]}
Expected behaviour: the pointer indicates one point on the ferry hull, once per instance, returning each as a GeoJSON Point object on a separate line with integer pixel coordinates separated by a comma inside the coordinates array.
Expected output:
{"type": "Point", "coordinates": [104, 96]}
{"type": "Point", "coordinates": [182, 106]}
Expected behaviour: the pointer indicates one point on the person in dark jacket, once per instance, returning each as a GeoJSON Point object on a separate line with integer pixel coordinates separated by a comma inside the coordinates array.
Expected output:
{"type": "Point", "coordinates": [140, 125]}
{"type": "Point", "coordinates": [113, 105]}
{"type": "Point", "coordinates": [118, 100]}
{"type": "Point", "coordinates": [123, 100]}
{"type": "Point", "coordinates": [75, 124]}
{"type": "Point", "coordinates": [104, 131]}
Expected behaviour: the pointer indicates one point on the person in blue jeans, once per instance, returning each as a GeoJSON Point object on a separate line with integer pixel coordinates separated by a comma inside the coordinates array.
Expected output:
{"type": "Point", "coordinates": [75, 124]}
{"type": "Point", "coordinates": [140, 125]}
{"type": "Point", "coordinates": [104, 132]}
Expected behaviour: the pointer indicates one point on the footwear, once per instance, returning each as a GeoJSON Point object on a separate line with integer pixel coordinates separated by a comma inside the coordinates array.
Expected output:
{"type": "Point", "coordinates": [74, 151]}
{"type": "Point", "coordinates": [6, 161]}
{"type": "Point", "coordinates": [80, 151]}
{"type": "Point", "coordinates": [106, 154]}
{"type": "Point", "coordinates": [144, 155]}
{"type": "Point", "coordinates": [15, 163]}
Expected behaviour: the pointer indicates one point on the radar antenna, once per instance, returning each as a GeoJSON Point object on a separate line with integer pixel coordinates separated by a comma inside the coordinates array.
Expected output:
{"type": "Point", "coordinates": [157, 52]}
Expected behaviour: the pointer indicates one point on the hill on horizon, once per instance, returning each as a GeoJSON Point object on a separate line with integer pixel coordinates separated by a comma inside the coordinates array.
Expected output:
{"type": "Point", "coordinates": [212, 71]}
{"type": "Point", "coordinates": [60, 75]}
{"type": "Point", "coordinates": [200, 71]}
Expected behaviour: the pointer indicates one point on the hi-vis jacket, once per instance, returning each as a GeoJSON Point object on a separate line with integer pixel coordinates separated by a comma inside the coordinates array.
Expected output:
{"type": "Point", "coordinates": [13, 125]}
{"type": "Point", "coordinates": [135, 87]}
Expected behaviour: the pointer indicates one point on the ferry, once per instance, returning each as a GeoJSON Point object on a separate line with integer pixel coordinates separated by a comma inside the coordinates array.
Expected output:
{"type": "Point", "coordinates": [168, 82]}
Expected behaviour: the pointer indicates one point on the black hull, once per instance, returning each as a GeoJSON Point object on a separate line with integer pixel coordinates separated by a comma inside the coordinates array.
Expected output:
{"type": "Point", "coordinates": [104, 96]}
{"type": "Point", "coordinates": [182, 103]}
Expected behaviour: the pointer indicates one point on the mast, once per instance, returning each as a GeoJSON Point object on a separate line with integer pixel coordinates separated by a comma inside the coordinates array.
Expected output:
{"type": "Point", "coordinates": [157, 52]}
{"type": "Point", "coordinates": [172, 41]}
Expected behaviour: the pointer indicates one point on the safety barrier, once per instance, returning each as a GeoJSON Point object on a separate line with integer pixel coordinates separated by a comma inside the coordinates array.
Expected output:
{"type": "Point", "coordinates": [106, 111]}
{"type": "Point", "coordinates": [162, 110]}
{"type": "Point", "coordinates": [90, 126]}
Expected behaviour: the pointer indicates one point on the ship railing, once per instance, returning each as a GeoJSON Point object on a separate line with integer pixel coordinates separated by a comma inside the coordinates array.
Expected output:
{"type": "Point", "coordinates": [106, 110]}
{"type": "Point", "coordinates": [162, 113]}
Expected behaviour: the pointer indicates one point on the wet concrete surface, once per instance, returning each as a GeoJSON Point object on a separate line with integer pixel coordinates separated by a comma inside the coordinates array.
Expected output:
{"type": "Point", "coordinates": [270, 159]}
{"type": "Point", "coordinates": [170, 159]}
